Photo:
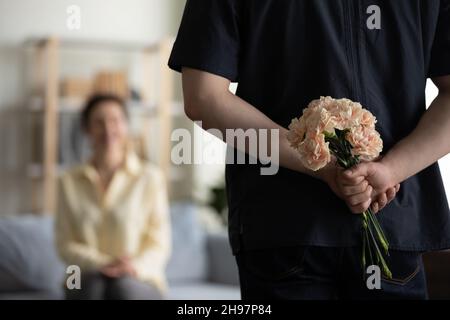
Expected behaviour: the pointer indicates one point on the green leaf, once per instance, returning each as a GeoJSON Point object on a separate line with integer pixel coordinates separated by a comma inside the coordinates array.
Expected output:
{"type": "Point", "coordinates": [330, 135]}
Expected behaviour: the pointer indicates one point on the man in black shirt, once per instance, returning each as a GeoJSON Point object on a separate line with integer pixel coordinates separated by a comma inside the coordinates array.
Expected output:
{"type": "Point", "coordinates": [292, 234]}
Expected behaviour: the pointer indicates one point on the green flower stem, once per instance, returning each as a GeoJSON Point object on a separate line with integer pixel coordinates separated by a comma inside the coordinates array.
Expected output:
{"type": "Point", "coordinates": [379, 231]}
{"type": "Point", "coordinates": [341, 148]}
{"type": "Point", "coordinates": [369, 247]}
{"type": "Point", "coordinates": [363, 258]}
{"type": "Point", "coordinates": [379, 256]}
{"type": "Point", "coordinates": [366, 235]}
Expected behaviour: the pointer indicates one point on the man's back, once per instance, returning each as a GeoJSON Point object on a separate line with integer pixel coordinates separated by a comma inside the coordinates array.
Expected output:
{"type": "Point", "coordinates": [285, 54]}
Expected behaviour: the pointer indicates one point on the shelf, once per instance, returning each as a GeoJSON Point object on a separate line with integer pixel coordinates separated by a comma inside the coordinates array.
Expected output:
{"type": "Point", "coordinates": [69, 105]}
{"type": "Point", "coordinates": [36, 171]}
{"type": "Point", "coordinates": [97, 45]}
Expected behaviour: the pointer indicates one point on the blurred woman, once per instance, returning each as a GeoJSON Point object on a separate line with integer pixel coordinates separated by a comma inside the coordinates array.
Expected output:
{"type": "Point", "coordinates": [112, 217]}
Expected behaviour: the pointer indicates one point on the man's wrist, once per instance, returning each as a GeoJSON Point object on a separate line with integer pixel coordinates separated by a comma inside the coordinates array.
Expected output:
{"type": "Point", "coordinates": [395, 172]}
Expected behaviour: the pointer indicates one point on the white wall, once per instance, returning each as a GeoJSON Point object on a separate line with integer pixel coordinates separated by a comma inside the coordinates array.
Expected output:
{"type": "Point", "coordinates": [126, 20]}
{"type": "Point", "coordinates": [140, 21]}
{"type": "Point", "coordinates": [444, 163]}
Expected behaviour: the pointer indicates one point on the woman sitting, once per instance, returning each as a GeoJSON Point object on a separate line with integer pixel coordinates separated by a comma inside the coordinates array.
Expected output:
{"type": "Point", "coordinates": [112, 217]}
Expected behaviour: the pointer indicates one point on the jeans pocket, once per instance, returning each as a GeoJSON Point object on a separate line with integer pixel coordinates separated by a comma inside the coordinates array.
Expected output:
{"type": "Point", "coordinates": [404, 267]}
{"type": "Point", "coordinates": [273, 264]}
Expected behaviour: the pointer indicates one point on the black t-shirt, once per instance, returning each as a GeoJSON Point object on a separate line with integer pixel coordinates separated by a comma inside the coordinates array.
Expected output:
{"type": "Point", "coordinates": [285, 53]}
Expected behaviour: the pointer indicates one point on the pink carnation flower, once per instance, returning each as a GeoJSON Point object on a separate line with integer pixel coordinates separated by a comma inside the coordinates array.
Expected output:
{"type": "Point", "coordinates": [366, 142]}
{"type": "Point", "coordinates": [297, 130]}
{"type": "Point", "coordinates": [326, 114]}
{"type": "Point", "coordinates": [315, 153]}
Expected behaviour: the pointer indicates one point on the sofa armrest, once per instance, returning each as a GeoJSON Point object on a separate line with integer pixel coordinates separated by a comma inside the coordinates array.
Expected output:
{"type": "Point", "coordinates": [221, 262]}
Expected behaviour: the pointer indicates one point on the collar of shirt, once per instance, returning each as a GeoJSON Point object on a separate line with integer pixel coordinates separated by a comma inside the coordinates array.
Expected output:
{"type": "Point", "coordinates": [132, 166]}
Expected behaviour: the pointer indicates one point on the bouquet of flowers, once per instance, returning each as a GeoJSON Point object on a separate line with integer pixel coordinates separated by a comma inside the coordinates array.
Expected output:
{"type": "Point", "coordinates": [343, 129]}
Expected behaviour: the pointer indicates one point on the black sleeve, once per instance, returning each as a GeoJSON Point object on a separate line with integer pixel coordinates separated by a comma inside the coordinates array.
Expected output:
{"type": "Point", "coordinates": [208, 38]}
{"type": "Point", "coordinates": [440, 55]}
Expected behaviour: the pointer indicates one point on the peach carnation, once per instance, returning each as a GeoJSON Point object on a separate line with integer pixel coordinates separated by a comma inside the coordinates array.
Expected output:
{"type": "Point", "coordinates": [315, 153]}
{"type": "Point", "coordinates": [366, 142]}
{"type": "Point", "coordinates": [326, 114]}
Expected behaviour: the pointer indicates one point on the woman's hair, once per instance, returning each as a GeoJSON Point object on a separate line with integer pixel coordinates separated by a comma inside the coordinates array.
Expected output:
{"type": "Point", "coordinates": [94, 101]}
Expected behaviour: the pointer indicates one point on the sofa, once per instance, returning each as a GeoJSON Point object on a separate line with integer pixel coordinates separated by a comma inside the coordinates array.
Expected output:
{"type": "Point", "coordinates": [30, 268]}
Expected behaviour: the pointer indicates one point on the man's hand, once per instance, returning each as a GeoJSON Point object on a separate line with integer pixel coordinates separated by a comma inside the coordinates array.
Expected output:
{"type": "Point", "coordinates": [379, 176]}
{"type": "Point", "coordinates": [355, 194]}
{"type": "Point", "coordinates": [356, 190]}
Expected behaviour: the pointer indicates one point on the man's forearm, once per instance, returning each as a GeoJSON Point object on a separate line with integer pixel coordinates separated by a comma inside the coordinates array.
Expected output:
{"type": "Point", "coordinates": [228, 111]}
{"type": "Point", "coordinates": [429, 142]}
{"type": "Point", "coordinates": [222, 110]}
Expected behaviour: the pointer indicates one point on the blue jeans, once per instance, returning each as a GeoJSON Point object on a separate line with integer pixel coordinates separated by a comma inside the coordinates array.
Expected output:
{"type": "Point", "coordinates": [325, 273]}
